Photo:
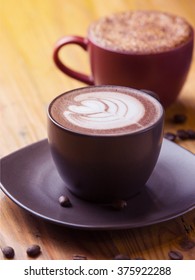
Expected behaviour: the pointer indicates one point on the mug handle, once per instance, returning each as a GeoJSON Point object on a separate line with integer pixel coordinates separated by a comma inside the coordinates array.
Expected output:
{"type": "Point", "coordinates": [77, 40]}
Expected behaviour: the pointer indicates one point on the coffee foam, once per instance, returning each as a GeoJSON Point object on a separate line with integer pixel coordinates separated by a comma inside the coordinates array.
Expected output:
{"type": "Point", "coordinates": [140, 31]}
{"type": "Point", "coordinates": [105, 111]}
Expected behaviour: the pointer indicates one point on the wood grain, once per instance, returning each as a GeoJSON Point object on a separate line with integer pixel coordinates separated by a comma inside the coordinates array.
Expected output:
{"type": "Point", "coordinates": [29, 80]}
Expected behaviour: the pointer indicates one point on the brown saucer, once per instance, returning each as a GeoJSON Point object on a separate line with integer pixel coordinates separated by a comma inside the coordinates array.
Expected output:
{"type": "Point", "coordinates": [30, 179]}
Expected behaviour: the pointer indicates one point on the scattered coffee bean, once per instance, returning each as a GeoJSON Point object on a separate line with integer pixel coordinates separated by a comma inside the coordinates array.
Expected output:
{"type": "Point", "coordinates": [175, 255]}
{"type": "Point", "coordinates": [79, 257]}
{"type": "Point", "coordinates": [187, 244]}
{"type": "Point", "coordinates": [8, 252]}
{"type": "Point", "coordinates": [170, 136]}
{"type": "Point", "coordinates": [191, 133]}
{"type": "Point", "coordinates": [182, 134]}
{"type": "Point", "coordinates": [121, 257]}
{"type": "Point", "coordinates": [119, 204]}
{"type": "Point", "coordinates": [64, 201]}
{"type": "Point", "coordinates": [33, 251]}
{"type": "Point", "coordinates": [179, 118]}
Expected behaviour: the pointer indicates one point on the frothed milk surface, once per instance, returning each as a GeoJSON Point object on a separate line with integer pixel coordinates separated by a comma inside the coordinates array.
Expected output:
{"type": "Point", "coordinates": [105, 110]}
{"type": "Point", "coordinates": [140, 31]}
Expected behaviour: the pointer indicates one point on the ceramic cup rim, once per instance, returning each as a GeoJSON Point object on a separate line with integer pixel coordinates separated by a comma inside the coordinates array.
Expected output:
{"type": "Point", "coordinates": [85, 134]}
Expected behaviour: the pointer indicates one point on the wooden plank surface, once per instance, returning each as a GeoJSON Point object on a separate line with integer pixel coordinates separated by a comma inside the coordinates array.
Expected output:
{"type": "Point", "coordinates": [29, 80]}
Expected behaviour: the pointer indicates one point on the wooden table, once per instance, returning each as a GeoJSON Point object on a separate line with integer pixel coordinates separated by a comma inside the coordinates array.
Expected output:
{"type": "Point", "coordinates": [28, 81]}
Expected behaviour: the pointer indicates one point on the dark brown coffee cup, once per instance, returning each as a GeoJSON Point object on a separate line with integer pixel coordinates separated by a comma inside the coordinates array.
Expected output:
{"type": "Point", "coordinates": [101, 167]}
{"type": "Point", "coordinates": [164, 72]}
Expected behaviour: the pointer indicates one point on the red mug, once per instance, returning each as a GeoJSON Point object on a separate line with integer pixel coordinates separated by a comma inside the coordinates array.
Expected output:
{"type": "Point", "coordinates": [163, 73]}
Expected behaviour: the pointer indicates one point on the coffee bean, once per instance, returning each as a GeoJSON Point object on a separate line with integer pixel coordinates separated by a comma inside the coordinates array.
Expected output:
{"type": "Point", "coordinates": [182, 134]}
{"type": "Point", "coordinates": [179, 118]}
{"type": "Point", "coordinates": [175, 255]}
{"type": "Point", "coordinates": [33, 251]}
{"type": "Point", "coordinates": [121, 257]}
{"type": "Point", "coordinates": [79, 257]}
{"type": "Point", "coordinates": [170, 136]}
{"type": "Point", "coordinates": [118, 204]}
{"type": "Point", "coordinates": [187, 244]}
{"type": "Point", "coordinates": [8, 252]}
{"type": "Point", "coordinates": [191, 133]}
{"type": "Point", "coordinates": [64, 201]}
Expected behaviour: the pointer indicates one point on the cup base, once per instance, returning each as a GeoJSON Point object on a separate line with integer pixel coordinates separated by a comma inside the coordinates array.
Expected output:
{"type": "Point", "coordinates": [105, 198]}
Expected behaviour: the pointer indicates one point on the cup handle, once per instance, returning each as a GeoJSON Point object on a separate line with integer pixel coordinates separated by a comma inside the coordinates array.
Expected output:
{"type": "Point", "coordinates": [77, 40]}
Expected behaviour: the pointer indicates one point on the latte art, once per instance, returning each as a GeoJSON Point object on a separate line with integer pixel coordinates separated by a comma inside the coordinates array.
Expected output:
{"type": "Point", "coordinates": [104, 110]}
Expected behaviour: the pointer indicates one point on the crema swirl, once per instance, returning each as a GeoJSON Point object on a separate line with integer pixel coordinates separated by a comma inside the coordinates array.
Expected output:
{"type": "Point", "coordinates": [105, 110]}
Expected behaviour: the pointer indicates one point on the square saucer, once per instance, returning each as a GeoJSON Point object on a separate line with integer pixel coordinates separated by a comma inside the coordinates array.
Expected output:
{"type": "Point", "coordinates": [30, 179]}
